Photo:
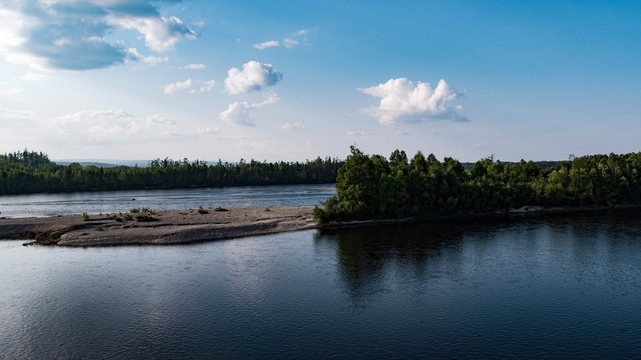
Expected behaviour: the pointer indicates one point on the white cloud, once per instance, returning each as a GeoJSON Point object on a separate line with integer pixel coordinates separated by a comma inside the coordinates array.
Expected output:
{"type": "Point", "coordinates": [266, 44]}
{"type": "Point", "coordinates": [356, 133]}
{"type": "Point", "coordinates": [402, 101]}
{"type": "Point", "coordinates": [238, 112]}
{"type": "Point", "coordinates": [292, 126]}
{"type": "Point", "coordinates": [115, 126]}
{"type": "Point", "coordinates": [16, 116]}
{"type": "Point", "coordinates": [180, 85]}
{"type": "Point", "coordinates": [208, 86]}
{"type": "Point", "coordinates": [96, 125]}
{"type": "Point", "coordinates": [206, 131]}
{"type": "Point", "coordinates": [159, 119]}
{"type": "Point", "coordinates": [12, 91]}
{"type": "Point", "coordinates": [196, 66]}
{"type": "Point", "coordinates": [289, 43]}
{"type": "Point", "coordinates": [151, 60]}
{"type": "Point", "coordinates": [160, 33]}
{"type": "Point", "coordinates": [31, 76]}
{"type": "Point", "coordinates": [253, 76]}
{"type": "Point", "coordinates": [77, 35]}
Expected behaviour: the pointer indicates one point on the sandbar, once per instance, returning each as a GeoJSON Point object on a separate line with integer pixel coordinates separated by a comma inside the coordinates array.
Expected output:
{"type": "Point", "coordinates": [165, 227]}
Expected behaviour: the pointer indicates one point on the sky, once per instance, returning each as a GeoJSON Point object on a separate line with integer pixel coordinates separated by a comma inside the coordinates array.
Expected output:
{"type": "Point", "coordinates": [293, 80]}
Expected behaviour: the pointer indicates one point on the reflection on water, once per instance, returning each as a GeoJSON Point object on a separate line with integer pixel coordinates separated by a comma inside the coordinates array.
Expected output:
{"type": "Point", "coordinates": [367, 254]}
{"type": "Point", "coordinates": [565, 286]}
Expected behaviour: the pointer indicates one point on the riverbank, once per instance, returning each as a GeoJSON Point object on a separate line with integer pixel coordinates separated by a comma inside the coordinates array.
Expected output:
{"type": "Point", "coordinates": [158, 228]}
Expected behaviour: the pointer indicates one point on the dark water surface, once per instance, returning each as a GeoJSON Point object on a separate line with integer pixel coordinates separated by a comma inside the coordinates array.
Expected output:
{"type": "Point", "coordinates": [553, 287]}
{"type": "Point", "coordinates": [38, 205]}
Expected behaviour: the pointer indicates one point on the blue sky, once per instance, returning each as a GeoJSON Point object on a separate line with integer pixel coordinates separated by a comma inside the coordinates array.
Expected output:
{"type": "Point", "coordinates": [292, 80]}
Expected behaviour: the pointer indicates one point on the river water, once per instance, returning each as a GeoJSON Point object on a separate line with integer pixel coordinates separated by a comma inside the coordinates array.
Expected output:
{"type": "Point", "coordinates": [564, 286]}
{"type": "Point", "coordinates": [38, 205]}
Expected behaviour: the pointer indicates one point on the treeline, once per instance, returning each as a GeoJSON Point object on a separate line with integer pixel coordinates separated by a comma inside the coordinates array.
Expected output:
{"type": "Point", "coordinates": [31, 172]}
{"type": "Point", "coordinates": [374, 187]}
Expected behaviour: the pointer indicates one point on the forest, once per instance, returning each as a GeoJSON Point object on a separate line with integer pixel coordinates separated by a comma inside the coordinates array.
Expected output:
{"type": "Point", "coordinates": [32, 172]}
{"type": "Point", "coordinates": [375, 187]}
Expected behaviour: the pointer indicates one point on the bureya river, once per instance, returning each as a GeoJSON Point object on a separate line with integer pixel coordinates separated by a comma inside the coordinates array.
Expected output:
{"type": "Point", "coordinates": [564, 286]}
{"type": "Point", "coordinates": [170, 199]}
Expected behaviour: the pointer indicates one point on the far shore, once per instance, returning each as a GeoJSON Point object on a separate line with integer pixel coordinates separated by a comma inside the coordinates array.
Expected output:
{"type": "Point", "coordinates": [199, 225]}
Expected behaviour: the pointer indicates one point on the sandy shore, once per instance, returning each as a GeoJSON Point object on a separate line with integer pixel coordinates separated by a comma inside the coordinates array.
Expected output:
{"type": "Point", "coordinates": [167, 227]}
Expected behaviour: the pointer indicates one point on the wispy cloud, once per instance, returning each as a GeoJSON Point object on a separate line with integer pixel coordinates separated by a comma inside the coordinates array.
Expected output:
{"type": "Point", "coordinates": [266, 44]}
{"type": "Point", "coordinates": [208, 86]}
{"type": "Point", "coordinates": [177, 86]}
{"type": "Point", "coordinates": [195, 67]}
{"type": "Point", "coordinates": [292, 126]}
{"type": "Point", "coordinates": [402, 101]}
{"type": "Point", "coordinates": [117, 126]}
{"type": "Point", "coordinates": [89, 126]}
{"type": "Point", "coordinates": [12, 91]}
{"type": "Point", "coordinates": [72, 35]}
{"type": "Point", "coordinates": [13, 115]}
{"type": "Point", "coordinates": [253, 76]}
{"type": "Point", "coordinates": [31, 76]}
{"type": "Point", "coordinates": [238, 112]}
{"type": "Point", "coordinates": [151, 60]}
{"type": "Point", "coordinates": [288, 42]}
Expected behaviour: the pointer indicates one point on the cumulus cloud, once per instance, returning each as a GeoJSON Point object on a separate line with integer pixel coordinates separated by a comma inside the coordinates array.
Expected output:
{"type": "Point", "coordinates": [160, 33]}
{"type": "Point", "coordinates": [239, 112]}
{"type": "Point", "coordinates": [72, 35]}
{"type": "Point", "coordinates": [402, 101]}
{"type": "Point", "coordinates": [253, 76]}
{"type": "Point", "coordinates": [266, 44]}
{"type": "Point", "coordinates": [177, 86]}
{"type": "Point", "coordinates": [292, 126]}
{"type": "Point", "coordinates": [196, 66]}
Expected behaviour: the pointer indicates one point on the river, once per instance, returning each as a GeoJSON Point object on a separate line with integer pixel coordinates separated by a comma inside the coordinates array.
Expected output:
{"type": "Point", "coordinates": [562, 286]}
{"type": "Point", "coordinates": [38, 205]}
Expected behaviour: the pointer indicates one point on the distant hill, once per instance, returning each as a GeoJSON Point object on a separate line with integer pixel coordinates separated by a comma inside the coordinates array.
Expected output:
{"type": "Point", "coordinates": [105, 163]}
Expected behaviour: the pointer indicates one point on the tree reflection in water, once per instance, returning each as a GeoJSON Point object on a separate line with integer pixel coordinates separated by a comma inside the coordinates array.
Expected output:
{"type": "Point", "coordinates": [366, 255]}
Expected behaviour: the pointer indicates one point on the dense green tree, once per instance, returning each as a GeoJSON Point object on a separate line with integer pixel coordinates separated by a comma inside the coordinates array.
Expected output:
{"type": "Point", "coordinates": [31, 172]}
{"type": "Point", "coordinates": [369, 187]}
